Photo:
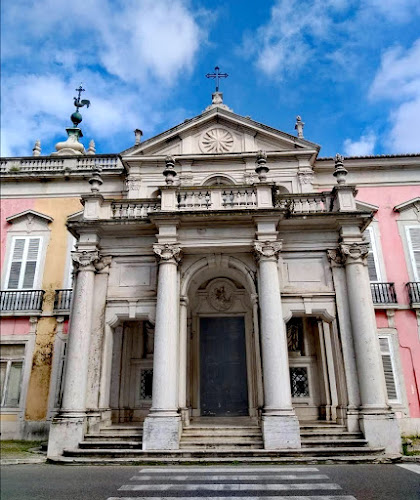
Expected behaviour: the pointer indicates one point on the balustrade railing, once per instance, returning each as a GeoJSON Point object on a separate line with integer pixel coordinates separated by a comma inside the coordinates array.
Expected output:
{"type": "Point", "coordinates": [134, 209]}
{"type": "Point", "coordinates": [53, 164]}
{"type": "Point", "coordinates": [62, 299]}
{"type": "Point", "coordinates": [21, 300]}
{"type": "Point", "coordinates": [304, 203]}
{"type": "Point", "coordinates": [383, 293]}
{"type": "Point", "coordinates": [217, 198]}
{"type": "Point", "coordinates": [413, 289]}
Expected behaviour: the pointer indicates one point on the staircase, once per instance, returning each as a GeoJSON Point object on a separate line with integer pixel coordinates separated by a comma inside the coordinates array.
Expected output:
{"type": "Point", "coordinates": [218, 441]}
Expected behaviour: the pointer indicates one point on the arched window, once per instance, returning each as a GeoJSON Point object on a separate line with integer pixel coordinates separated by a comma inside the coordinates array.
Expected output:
{"type": "Point", "coordinates": [219, 180]}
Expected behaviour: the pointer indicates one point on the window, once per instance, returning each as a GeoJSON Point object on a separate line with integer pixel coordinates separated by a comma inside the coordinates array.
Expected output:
{"type": "Point", "coordinates": [23, 263]}
{"type": "Point", "coordinates": [11, 364]}
{"type": "Point", "coordinates": [372, 258]}
{"type": "Point", "coordinates": [389, 369]}
{"type": "Point", "coordinates": [413, 238]}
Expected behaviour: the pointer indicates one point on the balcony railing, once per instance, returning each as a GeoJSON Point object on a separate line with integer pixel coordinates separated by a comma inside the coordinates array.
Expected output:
{"type": "Point", "coordinates": [217, 198]}
{"type": "Point", "coordinates": [21, 300]}
{"type": "Point", "coordinates": [413, 289]}
{"type": "Point", "coordinates": [62, 299]}
{"type": "Point", "coordinates": [304, 203]}
{"type": "Point", "coordinates": [383, 293]}
{"type": "Point", "coordinates": [134, 209]}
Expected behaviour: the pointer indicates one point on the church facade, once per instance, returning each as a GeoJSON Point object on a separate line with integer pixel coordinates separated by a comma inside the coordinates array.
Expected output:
{"type": "Point", "coordinates": [219, 275]}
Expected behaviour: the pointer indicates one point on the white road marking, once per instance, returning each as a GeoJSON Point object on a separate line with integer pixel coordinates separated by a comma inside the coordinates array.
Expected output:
{"type": "Point", "coordinates": [227, 477]}
{"type": "Point", "coordinates": [230, 487]}
{"type": "Point", "coordinates": [413, 467]}
{"type": "Point", "coordinates": [279, 469]}
{"type": "Point", "coordinates": [312, 497]}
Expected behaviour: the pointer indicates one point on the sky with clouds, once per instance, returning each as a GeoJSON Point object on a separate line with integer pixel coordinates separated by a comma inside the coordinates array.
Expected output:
{"type": "Point", "coordinates": [350, 68]}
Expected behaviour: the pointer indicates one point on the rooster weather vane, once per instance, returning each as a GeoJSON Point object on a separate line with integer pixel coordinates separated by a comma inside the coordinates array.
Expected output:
{"type": "Point", "coordinates": [76, 117]}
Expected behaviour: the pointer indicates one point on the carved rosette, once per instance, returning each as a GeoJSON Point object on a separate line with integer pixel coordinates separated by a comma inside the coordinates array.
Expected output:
{"type": "Point", "coordinates": [167, 252]}
{"type": "Point", "coordinates": [85, 260]}
{"type": "Point", "coordinates": [267, 249]}
{"type": "Point", "coordinates": [354, 252]}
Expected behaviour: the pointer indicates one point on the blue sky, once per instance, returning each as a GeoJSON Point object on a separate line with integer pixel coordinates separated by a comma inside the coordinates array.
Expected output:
{"type": "Point", "coordinates": [350, 68]}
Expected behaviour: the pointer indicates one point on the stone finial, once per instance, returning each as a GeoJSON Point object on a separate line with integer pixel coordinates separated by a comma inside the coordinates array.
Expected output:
{"type": "Point", "coordinates": [169, 171]}
{"type": "Point", "coordinates": [95, 180]}
{"type": "Point", "coordinates": [137, 135]}
{"type": "Point", "coordinates": [261, 169]}
{"type": "Point", "coordinates": [36, 150]}
{"type": "Point", "coordinates": [92, 148]}
{"type": "Point", "coordinates": [340, 172]}
{"type": "Point", "coordinates": [299, 126]}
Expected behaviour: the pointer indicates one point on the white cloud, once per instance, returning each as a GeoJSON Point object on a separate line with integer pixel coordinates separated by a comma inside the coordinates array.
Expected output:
{"type": "Point", "coordinates": [127, 53]}
{"type": "Point", "coordinates": [363, 147]}
{"type": "Point", "coordinates": [398, 81]}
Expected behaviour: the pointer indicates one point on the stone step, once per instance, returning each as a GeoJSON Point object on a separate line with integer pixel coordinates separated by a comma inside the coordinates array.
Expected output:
{"type": "Point", "coordinates": [114, 445]}
{"type": "Point", "coordinates": [222, 440]}
{"type": "Point", "coordinates": [335, 443]}
{"type": "Point", "coordinates": [221, 432]}
{"type": "Point", "coordinates": [331, 435]}
{"type": "Point", "coordinates": [121, 432]}
{"type": "Point", "coordinates": [230, 453]}
{"type": "Point", "coordinates": [113, 437]}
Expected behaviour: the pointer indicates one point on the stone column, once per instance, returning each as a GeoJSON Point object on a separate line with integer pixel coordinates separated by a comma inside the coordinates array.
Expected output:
{"type": "Point", "coordinates": [378, 423]}
{"type": "Point", "coordinates": [183, 363]}
{"type": "Point", "coordinates": [96, 346]}
{"type": "Point", "coordinates": [67, 429]}
{"type": "Point", "coordinates": [161, 430]}
{"type": "Point", "coordinates": [346, 337]}
{"type": "Point", "coordinates": [279, 422]}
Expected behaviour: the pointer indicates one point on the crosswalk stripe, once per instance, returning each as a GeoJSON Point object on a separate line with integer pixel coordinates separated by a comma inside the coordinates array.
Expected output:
{"type": "Point", "coordinates": [288, 497]}
{"type": "Point", "coordinates": [230, 487]}
{"type": "Point", "coordinates": [256, 469]}
{"type": "Point", "coordinates": [413, 467]}
{"type": "Point", "coordinates": [225, 477]}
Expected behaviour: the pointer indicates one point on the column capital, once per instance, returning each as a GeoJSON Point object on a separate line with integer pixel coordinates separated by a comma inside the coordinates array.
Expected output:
{"type": "Point", "coordinates": [267, 249]}
{"type": "Point", "coordinates": [354, 252]}
{"type": "Point", "coordinates": [335, 257]}
{"type": "Point", "coordinates": [102, 264]}
{"type": "Point", "coordinates": [167, 252]}
{"type": "Point", "coordinates": [85, 260]}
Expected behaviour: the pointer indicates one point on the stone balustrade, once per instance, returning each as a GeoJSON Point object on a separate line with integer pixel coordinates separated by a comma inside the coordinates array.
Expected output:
{"type": "Point", "coordinates": [134, 209]}
{"type": "Point", "coordinates": [217, 198]}
{"type": "Point", "coordinates": [58, 165]}
{"type": "Point", "coordinates": [305, 203]}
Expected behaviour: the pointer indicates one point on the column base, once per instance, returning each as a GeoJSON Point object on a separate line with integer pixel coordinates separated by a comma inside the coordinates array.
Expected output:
{"type": "Point", "coordinates": [353, 423]}
{"type": "Point", "coordinates": [66, 432]}
{"type": "Point", "coordinates": [381, 430]}
{"type": "Point", "coordinates": [280, 432]}
{"type": "Point", "coordinates": [161, 433]}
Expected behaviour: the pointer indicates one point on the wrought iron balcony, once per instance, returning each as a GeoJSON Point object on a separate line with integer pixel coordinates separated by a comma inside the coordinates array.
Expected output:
{"type": "Point", "coordinates": [62, 299]}
{"type": "Point", "coordinates": [413, 289]}
{"type": "Point", "coordinates": [383, 293]}
{"type": "Point", "coordinates": [21, 300]}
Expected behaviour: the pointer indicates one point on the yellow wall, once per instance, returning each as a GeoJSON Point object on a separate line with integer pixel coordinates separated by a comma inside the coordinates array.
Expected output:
{"type": "Point", "coordinates": [55, 262]}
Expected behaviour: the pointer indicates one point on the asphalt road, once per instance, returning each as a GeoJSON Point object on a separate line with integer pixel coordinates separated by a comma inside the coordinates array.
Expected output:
{"type": "Point", "coordinates": [312, 482]}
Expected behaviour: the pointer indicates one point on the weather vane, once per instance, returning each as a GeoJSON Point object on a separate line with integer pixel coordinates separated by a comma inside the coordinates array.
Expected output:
{"type": "Point", "coordinates": [217, 75]}
{"type": "Point", "coordinates": [76, 117]}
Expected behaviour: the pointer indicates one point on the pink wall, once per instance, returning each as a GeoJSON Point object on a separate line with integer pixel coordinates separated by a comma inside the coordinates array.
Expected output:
{"type": "Point", "coordinates": [396, 271]}
{"type": "Point", "coordinates": [14, 326]}
{"type": "Point", "coordinates": [8, 208]}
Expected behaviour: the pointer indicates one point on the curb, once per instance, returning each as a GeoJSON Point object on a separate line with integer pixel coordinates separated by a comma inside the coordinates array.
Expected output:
{"type": "Point", "coordinates": [22, 461]}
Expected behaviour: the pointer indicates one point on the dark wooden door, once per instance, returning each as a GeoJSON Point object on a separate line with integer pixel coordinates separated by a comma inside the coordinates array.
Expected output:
{"type": "Point", "coordinates": [223, 377]}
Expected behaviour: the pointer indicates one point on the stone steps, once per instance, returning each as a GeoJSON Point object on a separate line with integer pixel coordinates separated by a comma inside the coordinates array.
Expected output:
{"type": "Point", "coordinates": [306, 443]}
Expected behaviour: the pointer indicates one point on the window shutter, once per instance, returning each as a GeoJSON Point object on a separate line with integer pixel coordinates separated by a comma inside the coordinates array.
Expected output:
{"type": "Point", "coordinates": [23, 267]}
{"type": "Point", "coordinates": [389, 372]}
{"type": "Point", "coordinates": [414, 242]}
{"type": "Point", "coordinates": [372, 258]}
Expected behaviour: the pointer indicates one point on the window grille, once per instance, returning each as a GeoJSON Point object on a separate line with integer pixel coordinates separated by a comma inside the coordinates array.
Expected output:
{"type": "Point", "coordinates": [146, 379]}
{"type": "Point", "coordinates": [299, 382]}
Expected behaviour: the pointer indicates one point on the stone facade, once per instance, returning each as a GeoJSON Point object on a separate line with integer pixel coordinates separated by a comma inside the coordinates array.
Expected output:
{"type": "Point", "coordinates": [218, 218]}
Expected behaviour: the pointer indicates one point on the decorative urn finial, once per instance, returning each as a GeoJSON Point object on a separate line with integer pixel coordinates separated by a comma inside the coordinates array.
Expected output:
{"type": "Point", "coordinates": [36, 151]}
{"type": "Point", "coordinates": [261, 169]}
{"type": "Point", "coordinates": [299, 126]}
{"type": "Point", "coordinates": [340, 172]}
{"type": "Point", "coordinates": [95, 180]}
{"type": "Point", "coordinates": [169, 171]}
{"type": "Point", "coordinates": [92, 147]}
{"type": "Point", "coordinates": [137, 134]}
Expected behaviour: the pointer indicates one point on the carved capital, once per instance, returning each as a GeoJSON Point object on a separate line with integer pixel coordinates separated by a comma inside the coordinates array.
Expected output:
{"type": "Point", "coordinates": [167, 252]}
{"type": "Point", "coordinates": [305, 177]}
{"type": "Point", "coordinates": [354, 251]}
{"type": "Point", "coordinates": [335, 257]}
{"type": "Point", "coordinates": [85, 260]}
{"type": "Point", "coordinates": [103, 263]}
{"type": "Point", "coordinates": [267, 249]}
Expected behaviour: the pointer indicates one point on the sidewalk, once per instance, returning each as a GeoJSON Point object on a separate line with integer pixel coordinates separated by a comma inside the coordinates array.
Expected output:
{"type": "Point", "coordinates": [22, 452]}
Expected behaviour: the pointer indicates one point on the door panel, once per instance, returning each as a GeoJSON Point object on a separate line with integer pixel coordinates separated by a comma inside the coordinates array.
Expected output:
{"type": "Point", "coordinates": [223, 375]}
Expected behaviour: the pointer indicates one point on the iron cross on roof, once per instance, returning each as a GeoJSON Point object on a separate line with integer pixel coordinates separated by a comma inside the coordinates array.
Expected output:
{"type": "Point", "coordinates": [217, 75]}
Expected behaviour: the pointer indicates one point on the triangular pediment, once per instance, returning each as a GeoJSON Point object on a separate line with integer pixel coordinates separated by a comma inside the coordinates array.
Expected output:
{"type": "Point", "coordinates": [30, 215]}
{"type": "Point", "coordinates": [219, 132]}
